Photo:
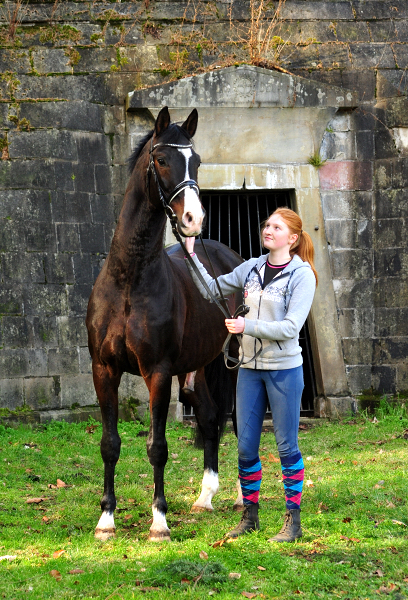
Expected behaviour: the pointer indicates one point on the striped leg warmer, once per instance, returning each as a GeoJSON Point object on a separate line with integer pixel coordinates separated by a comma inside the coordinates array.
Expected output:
{"type": "Point", "coordinates": [293, 474]}
{"type": "Point", "coordinates": [250, 477]}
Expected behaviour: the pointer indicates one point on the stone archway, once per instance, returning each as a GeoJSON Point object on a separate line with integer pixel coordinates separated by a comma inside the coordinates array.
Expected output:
{"type": "Point", "coordinates": [257, 129]}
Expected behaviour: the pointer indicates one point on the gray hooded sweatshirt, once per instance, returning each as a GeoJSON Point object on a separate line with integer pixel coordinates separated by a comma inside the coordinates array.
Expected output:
{"type": "Point", "coordinates": [276, 313]}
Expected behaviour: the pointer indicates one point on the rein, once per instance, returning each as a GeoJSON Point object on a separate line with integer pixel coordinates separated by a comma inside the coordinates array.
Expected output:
{"type": "Point", "coordinates": [190, 183]}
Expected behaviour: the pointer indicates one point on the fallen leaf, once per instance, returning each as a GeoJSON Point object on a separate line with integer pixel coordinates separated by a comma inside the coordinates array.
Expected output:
{"type": "Point", "coordinates": [75, 572]}
{"type": "Point", "coordinates": [45, 519]}
{"type": "Point", "coordinates": [174, 455]}
{"type": "Point", "coordinates": [61, 484]}
{"type": "Point", "coordinates": [272, 458]}
{"type": "Point", "coordinates": [56, 574]}
{"type": "Point", "coordinates": [347, 520]}
{"type": "Point", "coordinates": [185, 581]}
{"type": "Point", "coordinates": [143, 475]}
{"type": "Point", "coordinates": [8, 557]}
{"type": "Point", "coordinates": [248, 594]}
{"type": "Point", "coordinates": [203, 555]}
{"type": "Point", "coordinates": [375, 420]}
{"type": "Point", "coordinates": [235, 575]}
{"type": "Point", "coordinates": [91, 428]}
{"type": "Point", "coordinates": [355, 462]}
{"type": "Point", "coordinates": [261, 569]}
{"type": "Point", "coordinates": [309, 483]}
{"type": "Point", "coordinates": [58, 553]}
{"type": "Point", "coordinates": [379, 573]}
{"type": "Point", "coordinates": [51, 486]}
{"type": "Point", "coordinates": [390, 505]}
{"type": "Point", "coordinates": [399, 523]}
{"type": "Point", "coordinates": [218, 544]}
{"type": "Point", "coordinates": [36, 500]}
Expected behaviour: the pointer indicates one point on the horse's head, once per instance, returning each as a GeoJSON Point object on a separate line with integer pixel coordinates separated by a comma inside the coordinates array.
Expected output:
{"type": "Point", "coordinates": [174, 164]}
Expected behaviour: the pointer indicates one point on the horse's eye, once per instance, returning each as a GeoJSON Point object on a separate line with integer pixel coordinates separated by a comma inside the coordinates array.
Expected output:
{"type": "Point", "coordinates": [161, 162]}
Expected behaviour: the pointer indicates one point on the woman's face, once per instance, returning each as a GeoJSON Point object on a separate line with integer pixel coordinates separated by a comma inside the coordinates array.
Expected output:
{"type": "Point", "coordinates": [276, 234]}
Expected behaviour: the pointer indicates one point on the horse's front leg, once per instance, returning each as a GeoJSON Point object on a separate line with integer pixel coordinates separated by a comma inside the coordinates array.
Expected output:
{"type": "Point", "coordinates": [160, 390]}
{"type": "Point", "coordinates": [106, 385]}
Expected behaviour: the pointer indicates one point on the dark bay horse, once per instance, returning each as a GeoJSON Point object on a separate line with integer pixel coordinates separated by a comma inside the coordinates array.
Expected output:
{"type": "Point", "coordinates": [146, 317]}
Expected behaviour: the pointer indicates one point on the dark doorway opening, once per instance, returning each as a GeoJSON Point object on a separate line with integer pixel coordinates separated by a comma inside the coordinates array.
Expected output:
{"type": "Point", "coordinates": [235, 219]}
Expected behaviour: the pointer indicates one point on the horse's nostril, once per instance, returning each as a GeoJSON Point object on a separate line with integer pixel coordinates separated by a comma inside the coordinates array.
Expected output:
{"type": "Point", "coordinates": [189, 217]}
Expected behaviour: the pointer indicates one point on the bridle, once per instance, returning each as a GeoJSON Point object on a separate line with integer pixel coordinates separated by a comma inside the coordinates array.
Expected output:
{"type": "Point", "coordinates": [166, 200]}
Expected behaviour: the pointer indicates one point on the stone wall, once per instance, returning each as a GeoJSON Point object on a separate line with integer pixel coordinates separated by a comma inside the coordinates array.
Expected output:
{"type": "Point", "coordinates": [67, 68]}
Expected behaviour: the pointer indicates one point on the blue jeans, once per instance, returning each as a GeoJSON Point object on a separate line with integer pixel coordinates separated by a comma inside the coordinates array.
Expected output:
{"type": "Point", "coordinates": [284, 390]}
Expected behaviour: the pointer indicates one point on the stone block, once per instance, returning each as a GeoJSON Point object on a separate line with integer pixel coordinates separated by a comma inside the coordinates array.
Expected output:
{"type": "Point", "coordinates": [87, 267]}
{"type": "Point", "coordinates": [23, 267]}
{"type": "Point", "coordinates": [351, 234]}
{"type": "Point", "coordinates": [396, 112]}
{"type": "Point", "coordinates": [362, 83]}
{"type": "Point", "coordinates": [352, 31]}
{"type": "Point", "coordinates": [83, 175]}
{"type": "Point", "coordinates": [11, 235]}
{"type": "Point", "coordinates": [298, 10]}
{"type": "Point", "coordinates": [92, 148]}
{"type": "Point", "coordinates": [72, 331]}
{"type": "Point", "coordinates": [353, 294]}
{"type": "Point", "coordinates": [358, 377]}
{"type": "Point", "coordinates": [365, 145]}
{"type": "Point", "coordinates": [13, 363]}
{"type": "Point", "coordinates": [384, 144]}
{"type": "Point", "coordinates": [103, 183]}
{"type": "Point", "coordinates": [78, 297]}
{"type": "Point", "coordinates": [357, 351]}
{"type": "Point", "coordinates": [17, 61]}
{"type": "Point", "coordinates": [390, 350]}
{"type": "Point", "coordinates": [43, 144]}
{"type": "Point", "coordinates": [40, 237]}
{"type": "Point", "coordinates": [383, 174]}
{"type": "Point", "coordinates": [65, 176]}
{"type": "Point", "coordinates": [76, 114]}
{"type": "Point", "coordinates": [348, 264]}
{"type": "Point", "coordinates": [92, 237]}
{"type": "Point", "coordinates": [11, 393]}
{"type": "Point", "coordinates": [67, 237]}
{"type": "Point", "coordinates": [45, 332]}
{"type": "Point", "coordinates": [383, 379]}
{"type": "Point", "coordinates": [77, 390]}
{"type": "Point", "coordinates": [27, 174]}
{"type": "Point", "coordinates": [50, 299]}
{"type": "Point", "coordinates": [376, 9]}
{"type": "Point", "coordinates": [391, 322]}
{"type": "Point", "coordinates": [390, 262]}
{"type": "Point", "coordinates": [390, 292]}
{"type": "Point", "coordinates": [299, 57]}
{"type": "Point", "coordinates": [402, 378]}
{"type": "Point", "coordinates": [121, 149]}
{"type": "Point", "coordinates": [102, 208]}
{"type": "Point", "coordinates": [347, 205]}
{"type": "Point", "coordinates": [67, 87]}
{"type": "Point", "coordinates": [401, 55]}
{"type": "Point", "coordinates": [134, 387]}
{"type": "Point", "coordinates": [42, 393]}
{"type": "Point", "coordinates": [391, 83]}
{"type": "Point", "coordinates": [356, 323]}
{"type": "Point", "coordinates": [16, 332]}
{"type": "Point", "coordinates": [71, 207]}
{"type": "Point", "coordinates": [59, 268]}
{"type": "Point", "coordinates": [401, 30]}
{"type": "Point", "coordinates": [133, 35]}
{"type": "Point", "coordinates": [37, 362]}
{"type": "Point", "coordinates": [139, 58]}
{"type": "Point", "coordinates": [364, 118]}
{"type": "Point", "coordinates": [85, 362]}
{"type": "Point", "coordinates": [346, 175]}
{"type": "Point", "coordinates": [63, 361]}
{"type": "Point", "coordinates": [400, 173]}
{"type": "Point", "coordinates": [95, 60]}
{"type": "Point", "coordinates": [25, 204]}
{"type": "Point", "coordinates": [339, 145]}
{"type": "Point", "coordinates": [11, 299]}
{"type": "Point", "coordinates": [113, 118]}
{"type": "Point", "coordinates": [334, 56]}
{"type": "Point", "coordinates": [389, 233]}
{"type": "Point", "coordinates": [382, 31]}
{"type": "Point", "coordinates": [372, 56]}
{"type": "Point", "coordinates": [120, 178]}
{"type": "Point", "coordinates": [51, 60]}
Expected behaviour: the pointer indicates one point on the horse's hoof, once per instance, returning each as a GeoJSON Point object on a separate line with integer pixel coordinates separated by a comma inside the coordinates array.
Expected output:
{"type": "Point", "coordinates": [238, 507]}
{"type": "Point", "coordinates": [200, 509]}
{"type": "Point", "coordinates": [159, 536]}
{"type": "Point", "coordinates": [104, 534]}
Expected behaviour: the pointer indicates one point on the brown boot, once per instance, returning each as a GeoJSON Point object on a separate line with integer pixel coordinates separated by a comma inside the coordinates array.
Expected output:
{"type": "Point", "coordinates": [249, 521]}
{"type": "Point", "coordinates": [291, 529]}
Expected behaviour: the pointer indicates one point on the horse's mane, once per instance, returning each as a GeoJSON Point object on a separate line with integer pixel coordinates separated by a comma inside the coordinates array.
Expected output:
{"type": "Point", "coordinates": [174, 134]}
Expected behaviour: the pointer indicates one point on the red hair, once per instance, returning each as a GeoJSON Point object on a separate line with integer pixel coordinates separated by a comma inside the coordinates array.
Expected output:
{"type": "Point", "coordinates": [303, 245]}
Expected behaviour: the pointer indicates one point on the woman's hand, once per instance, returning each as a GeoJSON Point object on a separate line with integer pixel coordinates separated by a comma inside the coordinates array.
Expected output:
{"type": "Point", "coordinates": [235, 325]}
{"type": "Point", "coordinates": [189, 244]}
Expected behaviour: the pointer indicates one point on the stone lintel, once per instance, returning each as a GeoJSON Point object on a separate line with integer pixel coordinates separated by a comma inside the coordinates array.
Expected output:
{"type": "Point", "coordinates": [244, 86]}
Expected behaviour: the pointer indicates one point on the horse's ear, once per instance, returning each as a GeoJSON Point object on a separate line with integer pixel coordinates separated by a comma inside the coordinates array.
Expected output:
{"type": "Point", "coordinates": [190, 124]}
{"type": "Point", "coordinates": [162, 121]}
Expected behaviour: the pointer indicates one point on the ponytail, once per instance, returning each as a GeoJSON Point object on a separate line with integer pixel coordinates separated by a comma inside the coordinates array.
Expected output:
{"type": "Point", "coordinates": [303, 246]}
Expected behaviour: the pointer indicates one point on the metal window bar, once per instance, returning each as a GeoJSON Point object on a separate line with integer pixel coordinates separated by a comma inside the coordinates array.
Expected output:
{"type": "Point", "coordinates": [235, 219]}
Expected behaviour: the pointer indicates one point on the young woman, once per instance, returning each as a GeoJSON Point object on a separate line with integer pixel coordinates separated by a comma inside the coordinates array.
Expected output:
{"type": "Point", "coordinates": [278, 287]}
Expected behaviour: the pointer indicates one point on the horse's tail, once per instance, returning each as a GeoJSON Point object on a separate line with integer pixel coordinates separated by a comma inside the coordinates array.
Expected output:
{"type": "Point", "coordinates": [222, 390]}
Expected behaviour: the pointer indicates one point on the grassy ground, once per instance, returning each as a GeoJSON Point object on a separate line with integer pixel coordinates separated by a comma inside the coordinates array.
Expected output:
{"type": "Point", "coordinates": [355, 517]}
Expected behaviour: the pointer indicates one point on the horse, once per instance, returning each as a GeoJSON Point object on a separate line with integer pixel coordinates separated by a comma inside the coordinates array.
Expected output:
{"type": "Point", "coordinates": [146, 317]}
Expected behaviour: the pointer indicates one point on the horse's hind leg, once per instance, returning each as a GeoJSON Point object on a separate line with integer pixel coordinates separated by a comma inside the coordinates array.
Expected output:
{"type": "Point", "coordinates": [205, 411]}
{"type": "Point", "coordinates": [160, 389]}
{"type": "Point", "coordinates": [106, 386]}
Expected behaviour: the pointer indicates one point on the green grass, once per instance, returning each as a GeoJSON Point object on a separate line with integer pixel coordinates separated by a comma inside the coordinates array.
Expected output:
{"type": "Point", "coordinates": [353, 544]}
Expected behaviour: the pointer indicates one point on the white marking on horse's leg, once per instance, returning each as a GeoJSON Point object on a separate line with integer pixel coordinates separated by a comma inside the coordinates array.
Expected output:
{"type": "Point", "coordinates": [159, 531]}
{"type": "Point", "coordinates": [189, 382]}
{"type": "Point", "coordinates": [209, 487]}
{"type": "Point", "coordinates": [105, 528]}
{"type": "Point", "coordinates": [239, 502]}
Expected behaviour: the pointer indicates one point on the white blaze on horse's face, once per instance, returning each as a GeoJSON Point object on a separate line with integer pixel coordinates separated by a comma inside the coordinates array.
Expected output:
{"type": "Point", "coordinates": [193, 215]}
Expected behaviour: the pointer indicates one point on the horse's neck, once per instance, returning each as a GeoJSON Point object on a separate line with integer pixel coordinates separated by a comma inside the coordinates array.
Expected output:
{"type": "Point", "coordinates": [137, 244]}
